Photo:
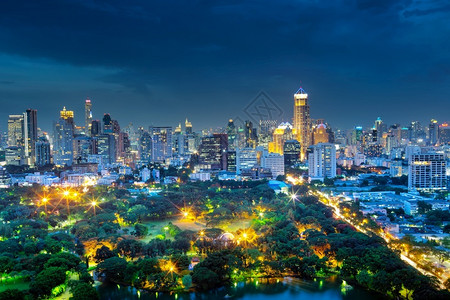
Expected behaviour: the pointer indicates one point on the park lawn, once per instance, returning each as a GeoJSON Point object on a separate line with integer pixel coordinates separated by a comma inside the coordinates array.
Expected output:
{"type": "Point", "coordinates": [22, 286]}
{"type": "Point", "coordinates": [236, 224]}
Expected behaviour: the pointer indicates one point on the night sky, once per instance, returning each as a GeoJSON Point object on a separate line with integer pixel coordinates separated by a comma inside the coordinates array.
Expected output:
{"type": "Point", "coordinates": [158, 62]}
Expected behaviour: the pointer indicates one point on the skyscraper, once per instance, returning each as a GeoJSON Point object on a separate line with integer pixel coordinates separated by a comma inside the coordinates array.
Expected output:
{"type": "Point", "coordinates": [107, 124]}
{"type": "Point", "coordinates": [433, 131]}
{"type": "Point", "coordinates": [96, 128]}
{"type": "Point", "coordinates": [42, 152]}
{"type": "Point", "coordinates": [231, 132]}
{"type": "Point", "coordinates": [302, 120]}
{"type": "Point", "coordinates": [322, 161]}
{"type": "Point", "coordinates": [87, 116]}
{"type": "Point", "coordinates": [31, 133]}
{"type": "Point", "coordinates": [161, 143]}
{"type": "Point", "coordinates": [427, 172]}
{"type": "Point", "coordinates": [292, 153]}
{"type": "Point", "coordinates": [16, 131]}
{"type": "Point", "coordinates": [63, 138]}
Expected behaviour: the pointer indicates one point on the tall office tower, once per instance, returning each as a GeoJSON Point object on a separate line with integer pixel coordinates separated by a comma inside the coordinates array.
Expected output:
{"type": "Point", "coordinates": [212, 152]}
{"type": "Point", "coordinates": [231, 160]}
{"type": "Point", "coordinates": [246, 158]}
{"type": "Point", "coordinates": [106, 148]}
{"type": "Point", "coordinates": [250, 135]}
{"type": "Point", "coordinates": [180, 141]}
{"type": "Point", "coordinates": [87, 116]}
{"type": "Point", "coordinates": [291, 152]}
{"type": "Point", "coordinates": [416, 131]}
{"type": "Point", "coordinates": [444, 134]}
{"type": "Point", "coordinates": [16, 131]}
{"type": "Point", "coordinates": [161, 143]}
{"type": "Point", "coordinates": [357, 135]}
{"type": "Point", "coordinates": [107, 124]}
{"type": "Point", "coordinates": [67, 115]}
{"type": "Point", "coordinates": [83, 146]}
{"type": "Point", "coordinates": [145, 147]}
{"type": "Point", "coordinates": [433, 131]}
{"type": "Point", "coordinates": [322, 161]}
{"type": "Point", "coordinates": [96, 128]}
{"type": "Point", "coordinates": [380, 127]}
{"type": "Point", "coordinates": [31, 133]}
{"type": "Point", "coordinates": [188, 126]}
{"type": "Point", "coordinates": [63, 139]}
{"type": "Point", "coordinates": [274, 162]}
{"type": "Point", "coordinates": [42, 152]}
{"type": "Point", "coordinates": [320, 134]}
{"type": "Point", "coordinates": [426, 172]}
{"type": "Point", "coordinates": [302, 120]}
{"type": "Point", "coordinates": [231, 132]}
{"type": "Point", "coordinates": [281, 134]}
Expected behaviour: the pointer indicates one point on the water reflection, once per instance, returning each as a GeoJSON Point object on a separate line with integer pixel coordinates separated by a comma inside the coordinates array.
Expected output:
{"type": "Point", "coordinates": [256, 289]}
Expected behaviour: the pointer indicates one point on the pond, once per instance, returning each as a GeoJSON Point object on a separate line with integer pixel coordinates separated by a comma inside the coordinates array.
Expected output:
{"type": "Point", "coordinates": [256, 289]}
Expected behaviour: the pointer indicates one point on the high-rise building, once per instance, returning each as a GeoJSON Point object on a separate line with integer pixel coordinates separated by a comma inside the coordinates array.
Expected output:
{"type": "Point", "coordinates": [444, 134]}
{"type": "Point", "coordinates": [231, 160]}
{"type": "Point", "coordinates": [42, 152]}
{"type": "Point", "coordinates": [96, 128]}
{"type": "Point", "coordinates": [274, 162]}
{"type": "Point", "coordinates": [106, 148]}
{"type": "Point", "coordinates": [322, 161]}
{"type": "Point", "coordinates": [107, 124]}
{"type": "Point", "coordinates": [87, 116]}
{"type": "Point", "coordinates": [145, 147]}
{"type": "Point", "coordinates": [212, 153]}
{"type": "Point", "coordinates": [67, 115]}
{"type": "Point", "coordinates": [281, 134]}
{"type": "Point", "coordinates": [188, 126]}
{"type": "Point", "coordinates": [246, 158]}
{"type": "Point", "coordinates": [250, 135]}
{"type": "Point", "coordinates": [433, 132]}
{"type": "Point", "coordinates": [63, 138]}
{"type": "Point", "coordinates": [426, 172]}
{"type": "Point", "coordinates": [83, 146]}
{"type": "Point", "coordinates": [16, 131]}
{"type": "Point", "coordinates": [161, 143]}
{"type": "Point", "coordinates": [291, 153]}
{"type": "Point", "coordinates": [302, 120]}
{"type": "Point", "coordinates": [320, 134]}
{"type": "Point", "coordinates": [31, 134]}
{"type": "Point", "coordinates": [231, 132]}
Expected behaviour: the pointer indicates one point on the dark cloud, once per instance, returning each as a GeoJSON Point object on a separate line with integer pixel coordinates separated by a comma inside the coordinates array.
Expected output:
{"type": "Point", "coordinates": [207, 59]}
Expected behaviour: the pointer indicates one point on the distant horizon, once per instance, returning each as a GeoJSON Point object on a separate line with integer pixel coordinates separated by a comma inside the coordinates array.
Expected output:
{"type": "Point", "coordinates": [146, 62]}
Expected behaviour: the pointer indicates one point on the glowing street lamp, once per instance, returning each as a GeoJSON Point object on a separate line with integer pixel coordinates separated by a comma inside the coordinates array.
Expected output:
{"type": "Point", "coordinates": [94, 204]}
{"type": "Point", "coordinates": [45, 200]}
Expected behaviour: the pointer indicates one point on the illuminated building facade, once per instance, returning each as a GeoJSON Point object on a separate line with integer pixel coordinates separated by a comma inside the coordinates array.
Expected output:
{"type": "Point", "coordinates": [87, 116]}
{"type": "Point", "coordinates": [281, 134]}
{"type": "Point", "coordinates": [444, 134]}
{"type": "Point", "coordinates": [322, 161]}
{"type": "Point", "coordinates": [302, 120]}
{"type": "Point", "coordinates": [161, 143]}
{"type": "Point", "coordinates": [320, 134]}
{"type": "Point", "coordinates": [213, 150]}
{"type": "Point", "coordinates": [426, 172]}
{"type": "Point", "coordinates": [291, 152]}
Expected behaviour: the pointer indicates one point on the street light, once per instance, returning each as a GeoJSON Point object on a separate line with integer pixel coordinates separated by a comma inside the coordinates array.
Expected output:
{"type": "Point", "coordinates": [94, 204]}
{"type": "Point", "coordinates": [45, 200]}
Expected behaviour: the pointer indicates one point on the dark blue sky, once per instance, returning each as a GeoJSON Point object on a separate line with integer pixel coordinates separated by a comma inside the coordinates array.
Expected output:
{"type": "Point", "coordinates": [162, 61]}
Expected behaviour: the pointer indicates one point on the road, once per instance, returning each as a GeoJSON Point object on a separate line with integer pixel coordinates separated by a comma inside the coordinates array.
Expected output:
{"type": "Point", "coordinates": [325, 199]}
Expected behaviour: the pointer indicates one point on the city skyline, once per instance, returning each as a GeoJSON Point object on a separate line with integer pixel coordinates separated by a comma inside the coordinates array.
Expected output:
{"type": "Point", "coordinates": [364, 58]}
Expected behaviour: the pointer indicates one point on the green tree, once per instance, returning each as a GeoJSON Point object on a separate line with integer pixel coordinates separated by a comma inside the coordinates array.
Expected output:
{"type": "Point", "coordinates": [12, 294]}
{"type": "Point", "coordinates": [113, 268]}
{"type": "Point", "coordinates": [46, 280]}
{"type": "Point", "coordinates": [83, 291]}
